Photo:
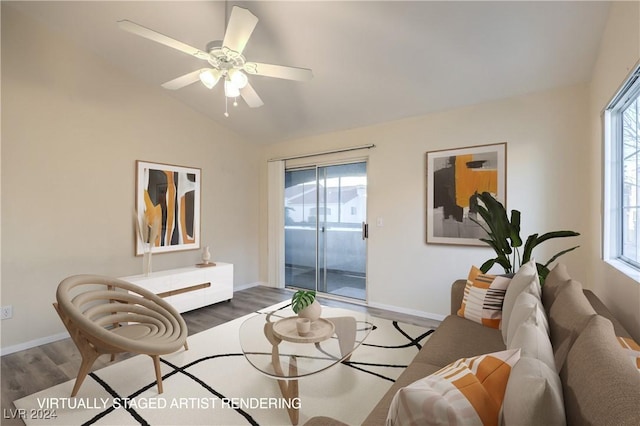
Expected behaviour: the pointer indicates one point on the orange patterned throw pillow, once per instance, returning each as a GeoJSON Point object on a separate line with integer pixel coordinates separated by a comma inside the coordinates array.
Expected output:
{"type": "Point", "coordinates": [483, 297]}
{"type": "Point", "coordinates": [632, 349]}
{"type": "Point", "coordinates": [468, 391]}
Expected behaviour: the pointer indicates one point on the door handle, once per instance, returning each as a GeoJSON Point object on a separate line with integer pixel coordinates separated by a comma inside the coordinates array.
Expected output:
{"type": "Point", "coordinates": [365, 230]}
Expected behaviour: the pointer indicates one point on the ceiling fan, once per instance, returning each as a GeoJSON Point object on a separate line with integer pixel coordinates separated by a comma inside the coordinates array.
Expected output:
{"type": "Point", "coordinates": [225, 59]}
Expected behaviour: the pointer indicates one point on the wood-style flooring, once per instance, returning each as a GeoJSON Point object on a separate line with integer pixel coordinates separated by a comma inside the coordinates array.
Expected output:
{"type": "Point", "coordinates": [35, 369]}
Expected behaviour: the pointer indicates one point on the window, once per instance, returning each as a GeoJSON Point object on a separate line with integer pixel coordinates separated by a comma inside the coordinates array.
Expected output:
{"type": "Point", "coordinates": [622, 175]}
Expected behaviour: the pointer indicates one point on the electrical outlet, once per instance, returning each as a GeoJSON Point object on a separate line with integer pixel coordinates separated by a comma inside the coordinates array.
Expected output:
{"type": "Point", "coordinates": [6, 312]}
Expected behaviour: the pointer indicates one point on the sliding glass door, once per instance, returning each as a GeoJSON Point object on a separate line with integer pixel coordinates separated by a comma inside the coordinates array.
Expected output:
{"type": "Point", "coordinates": [300, 197]}
{"type": "Point", "coordinates": [325, 229]}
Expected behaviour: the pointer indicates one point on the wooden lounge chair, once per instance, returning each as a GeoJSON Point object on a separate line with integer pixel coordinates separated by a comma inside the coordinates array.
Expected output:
{"type": "Point", "coordinates": [122, 317]}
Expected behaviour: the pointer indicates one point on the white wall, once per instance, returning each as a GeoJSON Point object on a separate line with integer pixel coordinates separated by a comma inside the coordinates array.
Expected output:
{"type": "Point", "coordinates": [68, 160]}
{"type": "Point", "coordinates": [545, 135]}
{"type": "Point", "coordinates": [72, 129]}
{"type": "Point", "coordinates": [618, 56]}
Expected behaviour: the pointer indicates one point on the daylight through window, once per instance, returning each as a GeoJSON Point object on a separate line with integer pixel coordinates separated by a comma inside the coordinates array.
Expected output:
{"type": "Point", "coordinates": [622, 166]}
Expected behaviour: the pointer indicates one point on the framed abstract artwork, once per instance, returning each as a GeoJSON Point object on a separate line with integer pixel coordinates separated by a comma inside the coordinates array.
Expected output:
{"type": "Point", "coordinates": [168, 207]}
{"type": "Point", "coordinates": [453, 178]}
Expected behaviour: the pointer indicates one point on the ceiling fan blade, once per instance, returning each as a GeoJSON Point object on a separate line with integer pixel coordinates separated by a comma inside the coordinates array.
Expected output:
{"type": "Point", "coordinates": [278, 71]}
{"type": "Point", "coordinates": [184, 80]}
{"type": "Point", "coordinates": [137, 29]}
{"type": "Point", "coordinates": [241, 25]}
{"type": "Point", "coordinates": [251, 97]}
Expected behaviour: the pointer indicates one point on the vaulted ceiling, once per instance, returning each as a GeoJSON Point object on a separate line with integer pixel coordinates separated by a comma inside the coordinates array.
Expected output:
{"type": "Point", "coordinates": [373, 61]}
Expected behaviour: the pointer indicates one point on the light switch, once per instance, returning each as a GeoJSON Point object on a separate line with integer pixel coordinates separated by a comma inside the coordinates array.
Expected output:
{"type": "Point", "coordinates": [379, 222]}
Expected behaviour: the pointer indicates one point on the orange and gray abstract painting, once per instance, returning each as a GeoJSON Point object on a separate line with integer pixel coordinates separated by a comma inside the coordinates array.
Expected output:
{"type": "Point", "coordinates": [456, 181]}
{"type": "Point", "coordinates": [170, 198]}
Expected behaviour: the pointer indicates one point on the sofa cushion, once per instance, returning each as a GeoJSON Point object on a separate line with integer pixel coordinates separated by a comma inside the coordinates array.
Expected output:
{"type": "Point", "coordinates": [600, 385]}
{"type": "Point", "coordinates": [533, 342]}
{"type": "Point", "coordinates": [525, 280]}
{"type": "Point", "coordinates": [527, 308]}
{"type": "Point", "coordinates": [469, 391]}
{"type": "Point", "coordinates": [483, 296]}
{"type": "Point", "coordinates": [457, 294]}
{"type": "Point", "coordinates": [533, 395]}
{"type": "Point", "coordinates": [553, 283]}
{"type": "Point", "coordinates": [569, 314]}
{"type": "Point", "coordinates": [457, 338]}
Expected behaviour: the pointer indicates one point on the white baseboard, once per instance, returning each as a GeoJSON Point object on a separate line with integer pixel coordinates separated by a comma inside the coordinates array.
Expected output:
{"type": "Point", "coordinates": [414, 312]}
{"type": "Point", "coordinates": [33, 343]}
{"type": "Point", "coordinates": [266, 284]}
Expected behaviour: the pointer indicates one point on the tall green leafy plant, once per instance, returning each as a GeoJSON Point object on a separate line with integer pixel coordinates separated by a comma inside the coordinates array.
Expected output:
{"type": "Point", "coordinates": [503, 236]}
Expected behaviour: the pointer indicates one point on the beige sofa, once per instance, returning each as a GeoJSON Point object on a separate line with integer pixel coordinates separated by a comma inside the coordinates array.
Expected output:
{"type": "Point", "coordinates": [600, 385]}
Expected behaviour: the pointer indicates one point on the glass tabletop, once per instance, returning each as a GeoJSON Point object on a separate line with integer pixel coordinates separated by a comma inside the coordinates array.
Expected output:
{"type": "Point", "coordinates": [268, 350]}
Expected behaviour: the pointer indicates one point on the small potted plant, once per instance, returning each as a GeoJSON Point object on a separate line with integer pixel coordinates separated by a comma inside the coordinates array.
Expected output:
{"type": "Point", "coordinates": [304, 304]}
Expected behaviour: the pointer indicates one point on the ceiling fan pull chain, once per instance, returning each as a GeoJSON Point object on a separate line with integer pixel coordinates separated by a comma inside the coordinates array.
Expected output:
{"type": "Point", "coordinates": [226, 112]}
{"type": "Point", "coordinates": [226, 19]}
{"type": "Point", "coordinates": [235, 102]}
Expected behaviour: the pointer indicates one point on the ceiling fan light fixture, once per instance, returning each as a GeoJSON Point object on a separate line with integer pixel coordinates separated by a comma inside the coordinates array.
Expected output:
{"type": "Point", "coordinates": [230, 89]}
{"type": "Point", "coordinates": [238, 78]}
{"type": "Point", "coordinates": [225, 58]}
{"type": "Point", "coordinates": [210, 78]}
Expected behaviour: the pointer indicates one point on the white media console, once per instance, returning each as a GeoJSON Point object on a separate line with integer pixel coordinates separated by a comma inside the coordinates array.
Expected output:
{"type": "Point", "coordinates": [189, 288]}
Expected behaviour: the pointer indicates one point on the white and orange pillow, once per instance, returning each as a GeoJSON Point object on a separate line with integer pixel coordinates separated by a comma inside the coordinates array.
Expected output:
{"type": "Point", "coordinates": [632, 349]}
{"type": "Point", "coordinates": [483, 298]}
{"type": "Point", "coordinates": [469, 391]}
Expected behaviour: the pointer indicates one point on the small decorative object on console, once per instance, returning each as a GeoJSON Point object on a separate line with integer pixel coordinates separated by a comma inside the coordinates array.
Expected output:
{"type": "Point", "coordinates": [206, 255]}
{"type": "Point", "coordinates": [148, 227]}
{"type": "Point", "coordinates": [206, 258]}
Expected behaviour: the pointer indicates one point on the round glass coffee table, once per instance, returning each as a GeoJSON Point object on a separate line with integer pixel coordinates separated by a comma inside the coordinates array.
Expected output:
{"type": "Point", "coordinates": [270, 341]}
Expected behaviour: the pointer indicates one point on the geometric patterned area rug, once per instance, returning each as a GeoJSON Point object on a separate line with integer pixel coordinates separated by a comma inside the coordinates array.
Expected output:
{"type": "Point", "coordinates": [213, 384]}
